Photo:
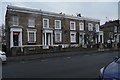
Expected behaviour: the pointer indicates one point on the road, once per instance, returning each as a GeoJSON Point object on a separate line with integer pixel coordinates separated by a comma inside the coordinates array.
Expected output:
{"type": "Point", "coordinates": [76, 66]}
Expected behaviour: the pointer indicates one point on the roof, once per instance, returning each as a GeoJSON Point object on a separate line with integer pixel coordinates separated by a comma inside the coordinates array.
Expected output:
{"type": "Point", "coordinates": [36, 11]}
{"type": "Point", "coordinates": [110, 24]}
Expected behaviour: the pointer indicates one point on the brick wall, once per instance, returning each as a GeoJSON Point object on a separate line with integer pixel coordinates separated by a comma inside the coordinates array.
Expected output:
{"type": "Point", "coordinates": [65, 28]}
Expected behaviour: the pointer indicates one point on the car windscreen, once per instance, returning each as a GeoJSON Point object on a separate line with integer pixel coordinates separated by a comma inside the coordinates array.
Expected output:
{"type": "Point", "coordinates": [118, 61]}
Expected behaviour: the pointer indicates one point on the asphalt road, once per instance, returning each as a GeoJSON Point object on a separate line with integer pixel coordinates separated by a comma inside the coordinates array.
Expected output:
{"type": "Point", "coordinates": [77, 66]}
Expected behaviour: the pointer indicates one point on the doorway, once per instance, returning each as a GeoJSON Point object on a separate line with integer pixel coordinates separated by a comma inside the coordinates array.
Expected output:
{"type": "Point", "coordinates": [15, 38]}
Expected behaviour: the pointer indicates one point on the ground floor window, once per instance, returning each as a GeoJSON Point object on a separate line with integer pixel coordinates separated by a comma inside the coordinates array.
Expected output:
{"type": "Point", "coordinates": [72, 37]}
{"type": "Point", "coordinates": [58, 36]}
{"type": "Point", "coordinates": [31, 36]}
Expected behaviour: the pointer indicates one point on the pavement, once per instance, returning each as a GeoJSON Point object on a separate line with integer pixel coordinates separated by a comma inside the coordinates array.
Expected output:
{"type": "Point", "coordinates": [51, 55]}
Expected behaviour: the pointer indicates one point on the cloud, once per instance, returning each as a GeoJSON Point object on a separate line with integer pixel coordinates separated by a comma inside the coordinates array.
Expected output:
{"type": "Point", "coordinates": [98, 10]}
{"type": "Point", "coordinates": [60, 0]}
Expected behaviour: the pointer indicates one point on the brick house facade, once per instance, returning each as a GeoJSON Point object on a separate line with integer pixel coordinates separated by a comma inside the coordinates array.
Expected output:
{"type": "Point", "coordinates": [111, 31]}
{"type": "Point", "coordinates": [31, 27]}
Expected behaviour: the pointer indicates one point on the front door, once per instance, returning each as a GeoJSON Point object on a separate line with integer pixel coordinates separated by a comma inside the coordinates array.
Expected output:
{"type": "Point", "coordinates": [80, 40]}
{"type": "Point", "coordinates": [48, 39]}
{"type": "Point", "coordinates": [15, 38]}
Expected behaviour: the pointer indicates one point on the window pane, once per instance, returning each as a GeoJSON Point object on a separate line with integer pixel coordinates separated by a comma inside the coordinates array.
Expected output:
{"type": "Point", "coordinates": [31, 36]}
{"type": "Point", "coordinates": [81, 26]}
{"type": "Point", "coordinates": [31, 22]}
{"type": "Point", "coordinates": [72, 25]}
{"type": "Point", "coordinates": [73, 38]}
{"type": "Point", "coordinates": [45, 23]}
{"type": "Point", "coordinates": [58, 37]}
{"type": "Point", "coordinates": [57, 24]}
{"type": "Point", "coordinates": [15, 20]}
{"type": "Point", "coordinates": [97, 28]}
{"type": "Point", "coordinates": [90, 27]}
{"type": "Point", "coordinates": [115, 28]}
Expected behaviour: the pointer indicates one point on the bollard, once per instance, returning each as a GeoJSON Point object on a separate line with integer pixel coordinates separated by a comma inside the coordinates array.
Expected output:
{"type": "Point", "coordinates": [0, 69]}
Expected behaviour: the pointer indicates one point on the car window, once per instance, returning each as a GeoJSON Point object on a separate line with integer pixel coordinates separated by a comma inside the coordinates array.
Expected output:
{"type": "Point", "coordinates": [118, 61]}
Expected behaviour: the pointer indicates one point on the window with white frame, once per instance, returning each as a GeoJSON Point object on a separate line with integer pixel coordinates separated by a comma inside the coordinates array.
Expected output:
{"type": "Point", "coordinates": [58, 36]}
{"type": "Point", "coordinates": [57, 24]}
{"type": "Point", "coordinates": [97, 27]}
{"type": "Point", "coordinates": [72, 37]}
{"type": "Point", "coordinates": [45, 23]}
{"type": "Point", "coordinates": [115, 28]}
{"type": "Point", "coordinates": [31, 22]}
{"type": "Point", "coordinates": [72, 25]}
{"type": "Point", "coordinates": [90, 26]}
{"type": "Point", "coordinates": [15, 20]}
{"type": "Point", "coordinates": [31, 36]}
{"type": "Point", "coordinates": [81, 26]}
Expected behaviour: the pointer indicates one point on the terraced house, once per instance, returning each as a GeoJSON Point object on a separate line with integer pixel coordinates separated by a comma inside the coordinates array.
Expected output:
{"type": "Point", "coordinates": [31, 27]}
{"type": "Point", "coordinates": [111, 31]}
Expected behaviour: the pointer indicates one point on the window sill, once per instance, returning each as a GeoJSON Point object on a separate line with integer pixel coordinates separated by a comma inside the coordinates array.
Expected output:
{"type": "Point", "coordinates": [31, 26]}
{"type": "Point", "coordinates": [15, 25]}
{"type": "Point", "coordinates": [31, 42]}
{"type": "Point", "coordinates": [57, 28]}
{"type": "Point", "coordinates": [73, 29]}
{"type": "Point", "coordinates": [73, 42]}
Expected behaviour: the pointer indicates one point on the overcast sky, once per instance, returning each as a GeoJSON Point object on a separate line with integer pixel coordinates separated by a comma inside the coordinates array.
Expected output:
{"type": "Point", "coordinates": [103, 10]}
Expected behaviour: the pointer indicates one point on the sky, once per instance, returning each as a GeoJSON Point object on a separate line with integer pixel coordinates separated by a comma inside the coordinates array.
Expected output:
{"type": "Point", "coordinates": [104, 10]}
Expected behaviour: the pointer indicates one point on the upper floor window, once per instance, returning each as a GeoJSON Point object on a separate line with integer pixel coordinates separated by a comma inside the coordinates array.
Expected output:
{"type": "Point", "coordinates": [57, 24]}
{"type": "Point", "coordinates": [15, 20]}
{"type": "Point", "coordinates": [110, 35]}
{"type": "Point", "coordinates": [81, 26]}
{"type": "Point", "coordinates": [115, 28]}
{"type": "Point", "coordinates": [90, 27]}
{"type": "Point", "coordinates": [72, 25]}
{"type": "Point", "coordinates": [45, 23]}
{"type": "Point", "coordinates": [118, 29]}
{"type": "Point", "coordinates": [97, 27]}
{"type": "Point", "coordinates": [31, 22]}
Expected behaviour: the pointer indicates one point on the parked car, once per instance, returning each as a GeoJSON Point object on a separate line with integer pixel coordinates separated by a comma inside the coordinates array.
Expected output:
{"type": "Point", "coordinates": [111, 71]}
{"type": "Point", "coordinates": [3, 56]}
